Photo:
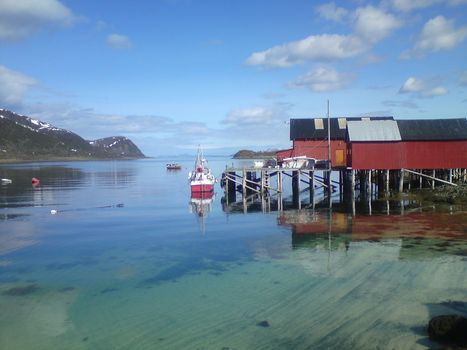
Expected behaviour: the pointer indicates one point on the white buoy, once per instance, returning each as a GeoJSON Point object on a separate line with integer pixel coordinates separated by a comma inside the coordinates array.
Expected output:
{"type": "Point", "coordinates": [53, 211]}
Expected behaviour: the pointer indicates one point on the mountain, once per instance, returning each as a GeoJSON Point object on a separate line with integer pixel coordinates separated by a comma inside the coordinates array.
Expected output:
{"type": "Point", "coordinates": [24, 138]}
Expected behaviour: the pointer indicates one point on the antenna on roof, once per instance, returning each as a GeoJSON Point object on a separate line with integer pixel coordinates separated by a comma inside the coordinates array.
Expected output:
{"type": "Point", "coordinates": [329, 140]}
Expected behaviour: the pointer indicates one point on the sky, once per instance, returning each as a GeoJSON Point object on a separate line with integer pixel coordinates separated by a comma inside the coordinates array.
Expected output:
{"type": "Point", "coordinates": [228, 74]}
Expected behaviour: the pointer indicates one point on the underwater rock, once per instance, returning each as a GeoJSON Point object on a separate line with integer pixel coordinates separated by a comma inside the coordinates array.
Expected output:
{"type": "Point", "coordinates": [264, 323]}
{"type": "Point", "coordinates": [450, 329]}
{"type": "Point", "coordinates": [21, 291]}
{"type": "Point", "coordinates": [108, 290]}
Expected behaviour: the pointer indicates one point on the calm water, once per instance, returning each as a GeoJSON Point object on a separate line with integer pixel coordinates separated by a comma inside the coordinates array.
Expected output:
{"type": "Point", "coordinates": [129, 263]}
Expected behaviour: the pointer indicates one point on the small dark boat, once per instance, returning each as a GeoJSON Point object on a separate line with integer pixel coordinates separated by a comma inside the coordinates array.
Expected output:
{"type": "Point", "coordinates": [173, 166]}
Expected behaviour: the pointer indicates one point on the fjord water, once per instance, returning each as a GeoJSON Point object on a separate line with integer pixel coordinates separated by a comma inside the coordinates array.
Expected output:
{"type": "Point", "coordinates": [128, 263]}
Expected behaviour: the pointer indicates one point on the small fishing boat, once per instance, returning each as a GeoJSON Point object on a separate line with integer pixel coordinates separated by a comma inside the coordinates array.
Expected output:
{"type": "Point", "coordinates": [6, 181]}
{"type": "Point", "coordinates": [173, 166]}
{"type": "Point", "coordinates": [201, 179]}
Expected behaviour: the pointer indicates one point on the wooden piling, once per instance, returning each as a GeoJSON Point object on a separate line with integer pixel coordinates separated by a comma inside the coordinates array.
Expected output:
{"type": "Point", "coordinates": [401, 181]}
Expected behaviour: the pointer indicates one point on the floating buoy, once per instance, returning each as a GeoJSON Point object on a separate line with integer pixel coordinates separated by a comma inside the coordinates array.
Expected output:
{"type": "Point", "coordinates": [35, 181]}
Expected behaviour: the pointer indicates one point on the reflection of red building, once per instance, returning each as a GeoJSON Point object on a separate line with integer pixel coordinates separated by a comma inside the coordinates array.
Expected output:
{"type": "Point", "coordinates": [370, 227]}
{"type": "Point", "coordinates": [310, 222]}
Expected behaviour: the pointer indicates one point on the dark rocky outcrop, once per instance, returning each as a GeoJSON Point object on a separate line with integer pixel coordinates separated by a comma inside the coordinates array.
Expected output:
{"type": "Point", "coordinates": [448, 329]}
{"type": "Point", "coordinates": [245, 153]}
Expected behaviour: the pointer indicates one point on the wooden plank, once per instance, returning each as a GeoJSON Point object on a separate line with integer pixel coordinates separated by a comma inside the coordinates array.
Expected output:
{"type": "Point", "coordinates": [430, 177]}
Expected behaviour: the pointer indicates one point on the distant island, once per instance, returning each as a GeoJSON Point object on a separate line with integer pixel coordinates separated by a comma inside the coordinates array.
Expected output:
{"type": "Point", "coordinates": [248, 154]}
{"type": "Point", "coordinates": [25, 138]}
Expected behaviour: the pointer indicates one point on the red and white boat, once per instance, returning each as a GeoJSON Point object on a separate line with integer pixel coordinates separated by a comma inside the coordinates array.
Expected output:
{"type": "Point", "coordinates": [201, 179]}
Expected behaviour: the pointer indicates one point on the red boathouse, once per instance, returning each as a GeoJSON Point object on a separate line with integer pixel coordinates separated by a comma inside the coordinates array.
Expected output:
{"type": "Point", "coordinates": [310, 139]}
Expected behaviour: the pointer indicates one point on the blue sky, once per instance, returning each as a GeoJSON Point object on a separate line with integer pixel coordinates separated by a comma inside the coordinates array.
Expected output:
{"type": "Point", "coordinates": [228, 74]}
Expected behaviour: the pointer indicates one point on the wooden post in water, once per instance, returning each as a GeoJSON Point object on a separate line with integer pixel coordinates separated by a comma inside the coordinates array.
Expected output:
{"type": "Point", "coordinates": [353, 184]}
{"type": "Point", "coordinates": [401, 181]}
{"type": "Point", "coordinates": [231, 187]}
{"type": "Point", "coordinates": [279, 181]}
{"type": "Point", "coordinates": [387, 182]}
{"type": "Point", "coordinates": [296, 188]}
{"type": "Point", "coordinates": [244, 183]}
{"type": "Point", "coordinates": [262, 182]}
{"type": "Point", "coordinates": [312, 185]}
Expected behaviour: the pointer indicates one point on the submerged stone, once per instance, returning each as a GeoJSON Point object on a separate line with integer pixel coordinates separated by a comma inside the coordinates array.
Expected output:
{"type": "Point", "coordinates": [264, 323]}
{"type": "Point", "coordinates": [450, 329]}
{"type": "Point", "coordinates": [21, 291]}
{"type": "Point", "coordinates": [108, 290]}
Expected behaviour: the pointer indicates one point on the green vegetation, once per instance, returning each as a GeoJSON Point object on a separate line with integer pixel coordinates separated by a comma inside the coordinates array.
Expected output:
{"type": "Point", "coordinates": [446, 194]}
{"type": "Point", "coordinates": [244, 153]}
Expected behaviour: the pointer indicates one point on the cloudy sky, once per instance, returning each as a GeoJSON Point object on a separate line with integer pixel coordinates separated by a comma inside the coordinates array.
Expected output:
{"type": "Point", "coordinates": [228, 74]}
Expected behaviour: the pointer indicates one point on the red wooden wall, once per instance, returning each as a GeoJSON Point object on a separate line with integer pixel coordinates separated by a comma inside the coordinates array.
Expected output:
{"type": "Point", "coordinates": [376, 155]}
{"type": "Point", "coordinates": [319, 150]}
{"type": "Point", "coordinates": [435, 154]}
{"type": "Point", "coordinates": [384, 155]}
{"type": "Point", "coordinates": [408, 154]}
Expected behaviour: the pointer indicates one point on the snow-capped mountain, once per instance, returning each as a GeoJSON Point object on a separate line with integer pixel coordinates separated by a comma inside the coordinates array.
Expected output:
{"type": "Point", "coordinates": [22, 137]}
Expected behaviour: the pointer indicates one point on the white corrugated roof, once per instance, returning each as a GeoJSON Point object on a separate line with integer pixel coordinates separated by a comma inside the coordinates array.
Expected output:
{"type": "Point", "coordinates": [374, 130]}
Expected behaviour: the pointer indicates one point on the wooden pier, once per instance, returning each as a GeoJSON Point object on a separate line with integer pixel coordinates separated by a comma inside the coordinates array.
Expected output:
{"type": "Point", "coordinates": [319, 184]}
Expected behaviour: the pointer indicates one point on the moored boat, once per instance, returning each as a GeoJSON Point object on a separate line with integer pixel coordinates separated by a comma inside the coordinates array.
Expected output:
{"type": "Point", "coordinates": [201, 179]}
{"type": "Point", "coordinates": [173, 166]}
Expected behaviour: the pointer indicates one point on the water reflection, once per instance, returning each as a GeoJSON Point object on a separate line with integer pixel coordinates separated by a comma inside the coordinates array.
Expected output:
{"type": "Point", "coordinates": [201, 205]}
{"type": "Point", "coordinates": [420, 235]}
{"type": "Point", "coordinates": [22, 193]}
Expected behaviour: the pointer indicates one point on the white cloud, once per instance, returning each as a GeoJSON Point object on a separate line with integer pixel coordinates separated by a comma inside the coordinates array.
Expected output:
{"type": "Point", "coordinates": [252, 115]}
{"type": "Point", "coordinates": [332, 12]}
{"type": "Point", "coordinates": [373, 24]}
{"type": "Point", "coordinates": [422, 88]}
{"type": "Point", "coordinates": [20, 19]}
{"type": "Point", "coordinates": [407, 6]}
{"type": "Point", "coordinates": [410, 5]}
{"type": "Point", "coordinates": [403, 104]}
{"type": "Point", "coordinates": [437, 34]}
{"type": "Point", "coordinates": [163, 135]}
{"type": "Point", "coordinates": [14, 86]}
{"type": "Point", "coordinates": [118, 41]}
{"type": "Point", "coordinates": [323, 47]}
{"type": "Point", "coordinates": [323, 79]}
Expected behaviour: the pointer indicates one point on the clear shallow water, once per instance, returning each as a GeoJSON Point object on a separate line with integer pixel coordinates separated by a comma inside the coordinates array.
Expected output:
{"type": "Point", "coordinates": [127, 263]}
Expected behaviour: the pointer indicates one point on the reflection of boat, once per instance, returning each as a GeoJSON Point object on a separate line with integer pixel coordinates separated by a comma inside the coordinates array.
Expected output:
{"type": "Point", "coordinates": [201, 179]}
{"type": "Point", "coordinates": [173, 166]}
{"type": "Point", "coordinates": [200, 205]}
